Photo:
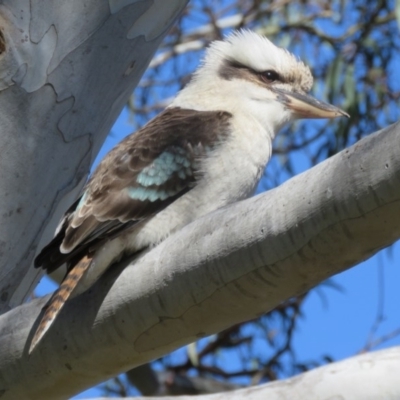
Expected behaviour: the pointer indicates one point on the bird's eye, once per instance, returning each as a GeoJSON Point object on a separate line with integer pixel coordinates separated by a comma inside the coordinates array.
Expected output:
{"type": "Point", "coordinates": [270, 76]}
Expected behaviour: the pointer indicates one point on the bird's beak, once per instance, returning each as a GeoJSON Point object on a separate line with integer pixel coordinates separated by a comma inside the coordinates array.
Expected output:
{"type": "Point", "coordinates": [306, 106]}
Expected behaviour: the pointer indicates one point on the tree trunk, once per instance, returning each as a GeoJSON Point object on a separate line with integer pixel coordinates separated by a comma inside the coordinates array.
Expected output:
{"type": "Point", "coordinates": [67, 70]}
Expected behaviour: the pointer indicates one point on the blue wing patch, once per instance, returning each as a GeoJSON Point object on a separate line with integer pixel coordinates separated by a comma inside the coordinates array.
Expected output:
{"type": "Point", "coordinates": [143, 194]}
{"type": "Point", "coordinates": [172, 164]}
{"type": "Point", "coordinates": [173, 160]}
{"type": "Point", "coordinates": [82, 200]}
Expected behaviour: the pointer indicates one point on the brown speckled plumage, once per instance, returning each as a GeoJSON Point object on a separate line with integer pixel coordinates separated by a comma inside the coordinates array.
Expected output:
{"type": "Point", "coordinates": [107, 208]}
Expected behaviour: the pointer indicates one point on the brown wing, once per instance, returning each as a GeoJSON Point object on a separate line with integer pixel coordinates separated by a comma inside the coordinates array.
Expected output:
{"type": "Point", "coordinates": [142, 175]}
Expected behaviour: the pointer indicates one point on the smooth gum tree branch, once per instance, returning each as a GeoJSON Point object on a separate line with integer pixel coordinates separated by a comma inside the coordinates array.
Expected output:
{"type": "Point", "coordinates": [230, 266]}
{"type": "Point", "coordinates": [368, 376]}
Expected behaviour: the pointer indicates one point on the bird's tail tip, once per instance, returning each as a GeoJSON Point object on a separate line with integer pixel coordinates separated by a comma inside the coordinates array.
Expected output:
{"type": "Point", "coordinates": [57, 301]}
{"type": "Point", "coordinates": [51, 311]}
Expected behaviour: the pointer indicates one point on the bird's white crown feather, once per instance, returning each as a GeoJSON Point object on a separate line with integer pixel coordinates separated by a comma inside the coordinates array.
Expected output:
{"type": "Point", "coordinates": [259, 54]}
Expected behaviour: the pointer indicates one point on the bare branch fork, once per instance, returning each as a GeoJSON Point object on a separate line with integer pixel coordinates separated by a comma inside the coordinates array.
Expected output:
{"type": "Point", "coordinates": [230, 266]}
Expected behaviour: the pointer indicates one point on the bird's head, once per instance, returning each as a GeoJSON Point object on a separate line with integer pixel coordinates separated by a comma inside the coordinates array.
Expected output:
{"type": "Point", "coordinates": [247, 72]}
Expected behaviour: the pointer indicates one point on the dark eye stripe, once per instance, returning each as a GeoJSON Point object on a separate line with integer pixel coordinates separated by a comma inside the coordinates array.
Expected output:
{"type": "Point", "coordinates": [234, 70]}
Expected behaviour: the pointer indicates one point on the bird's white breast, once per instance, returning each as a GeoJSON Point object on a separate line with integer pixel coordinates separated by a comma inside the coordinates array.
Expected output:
{"type": "Point", "coordinates": [229, 174]}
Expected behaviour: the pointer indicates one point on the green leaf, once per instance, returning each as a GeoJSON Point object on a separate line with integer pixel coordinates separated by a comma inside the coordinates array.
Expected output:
{"type": "Point", "coordinates": [350, 87]}
{"type": "Point", "coordinates": [333, 78]}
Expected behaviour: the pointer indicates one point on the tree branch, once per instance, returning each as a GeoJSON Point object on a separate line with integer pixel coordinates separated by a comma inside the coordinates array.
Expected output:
{"type": "Point", "coordinates": [227, 267]}
{"type": "Point", "coordinates": [368, 376]}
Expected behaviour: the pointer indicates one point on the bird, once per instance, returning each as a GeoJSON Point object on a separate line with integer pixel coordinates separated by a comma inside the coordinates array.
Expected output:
{"type": "Point", "coordinates": [206, 150]}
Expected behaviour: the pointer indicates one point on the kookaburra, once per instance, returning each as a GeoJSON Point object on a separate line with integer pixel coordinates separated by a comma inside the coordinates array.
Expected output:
{"type": "Point", "coordinates": [207, 149]}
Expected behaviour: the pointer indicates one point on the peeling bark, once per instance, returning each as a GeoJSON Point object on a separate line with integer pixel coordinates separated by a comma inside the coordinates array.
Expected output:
{"type": "Point", "coordinates": [66, 71]}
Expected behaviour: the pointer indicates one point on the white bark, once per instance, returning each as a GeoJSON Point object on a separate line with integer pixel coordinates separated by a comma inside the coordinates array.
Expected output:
{"type": "Point", "coordinates": [66, 70]}
{"type": "Point", "coordinates": [225, 268]}
{"type": "Point", "coordinates": [369, 376]}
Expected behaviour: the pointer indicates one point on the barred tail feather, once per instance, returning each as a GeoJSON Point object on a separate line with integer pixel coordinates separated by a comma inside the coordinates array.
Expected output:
{"type": "Point", "coordinates": [57, 301]}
